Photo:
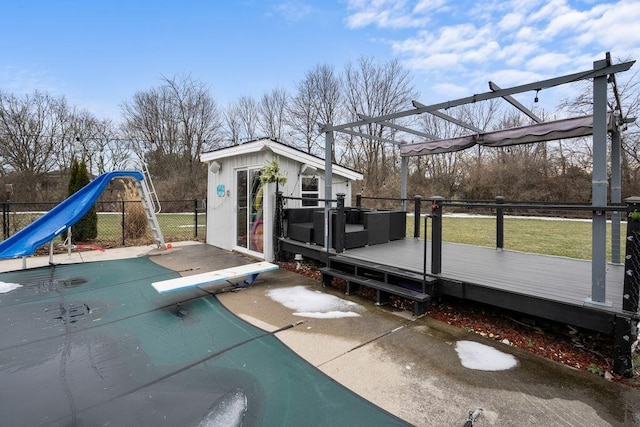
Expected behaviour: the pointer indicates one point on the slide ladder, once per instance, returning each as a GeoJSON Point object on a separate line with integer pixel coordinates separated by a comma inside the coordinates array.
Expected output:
{"type": "Point", "coordinates": [151, 205]}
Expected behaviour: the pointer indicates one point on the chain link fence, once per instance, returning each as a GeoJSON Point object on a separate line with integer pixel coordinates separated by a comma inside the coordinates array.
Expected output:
{"type": "Point", "coordinates": [179, 220]}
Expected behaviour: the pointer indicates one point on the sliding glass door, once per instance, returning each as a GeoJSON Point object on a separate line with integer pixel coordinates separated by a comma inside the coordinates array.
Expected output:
{"type": "Point", "coordinates": [249, 223]}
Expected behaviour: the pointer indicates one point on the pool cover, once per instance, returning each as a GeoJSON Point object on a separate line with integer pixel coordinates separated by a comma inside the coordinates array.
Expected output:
{"type": "Point", "coordinates": [95, 344]}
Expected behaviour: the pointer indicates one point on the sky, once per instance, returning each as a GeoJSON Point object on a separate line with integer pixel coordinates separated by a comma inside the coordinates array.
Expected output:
{"type": "Point", "coordinates": [99, 53]}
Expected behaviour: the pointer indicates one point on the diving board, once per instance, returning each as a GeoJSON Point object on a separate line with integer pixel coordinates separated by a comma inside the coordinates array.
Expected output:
{"type": "Point", "coordinates": [211, 277]}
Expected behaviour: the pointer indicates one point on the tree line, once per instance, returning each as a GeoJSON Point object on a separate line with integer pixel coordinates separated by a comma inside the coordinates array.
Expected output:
{"type": "Point", "coordinates": [169, 125]}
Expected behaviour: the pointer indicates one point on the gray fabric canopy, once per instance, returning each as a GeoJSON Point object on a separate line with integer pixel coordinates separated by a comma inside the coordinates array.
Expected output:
{"type": "Point", "coordinates": [550, 131]}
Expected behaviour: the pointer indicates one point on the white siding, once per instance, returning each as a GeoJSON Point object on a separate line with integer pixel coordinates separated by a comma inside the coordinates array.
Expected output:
{"type": "Point", "coordinates": [222, 210]}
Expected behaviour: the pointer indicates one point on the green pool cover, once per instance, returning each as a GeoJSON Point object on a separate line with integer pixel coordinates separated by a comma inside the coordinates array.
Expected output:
{"type": "Point", "coordinates": [94, 344]}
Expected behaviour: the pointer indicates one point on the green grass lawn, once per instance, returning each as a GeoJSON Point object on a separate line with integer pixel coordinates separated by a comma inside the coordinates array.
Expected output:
{"type": "Point", "coordinates": [173, 225]}
{"type": "Point", "coordinates": [569, 238]}
{"type": "Point", "coordinates": [178, 226]}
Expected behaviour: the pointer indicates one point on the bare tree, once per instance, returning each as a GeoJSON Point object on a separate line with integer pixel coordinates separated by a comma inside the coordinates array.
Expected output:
{"type": "Point", "coordinates": [327, 87]}
{"type": "Point", "coordinates": [30, 127]}
{"type": "Point", "coordinates": [303, 117]}
{"type": "Point", "coordinates": [30, 132]}
{"type": "Point", "coordinates": [170, 126]}
{"type": "Point", "coordinates": [110, 150]}
{"type": "Point", "coordinates": [273, 107]}
{"type": "Point", "coordinates": [233, 128]}
{"type": "Point", "coordinates": [580, 150]}
{"type": "Point", "coordinates": [197, 115]}
{"type": "Point", "coordinates": [439, 174]}
{"type": "Point", "coordinates": [150, 124]}
{"type": "Point", "coordinates": [318, 101]}
{"type": "Point", "coordinates": [76, 140]}
{"type": "Point", "coordinates": [179, 117]}
{"type": "Point", "coordinates": [249, 115]}
{"type": "Point", "coordinates": [373, 89]}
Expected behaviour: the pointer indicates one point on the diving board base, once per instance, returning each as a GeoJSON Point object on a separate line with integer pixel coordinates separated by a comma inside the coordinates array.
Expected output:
{"type": "Point", "coordinates": [250, 271]}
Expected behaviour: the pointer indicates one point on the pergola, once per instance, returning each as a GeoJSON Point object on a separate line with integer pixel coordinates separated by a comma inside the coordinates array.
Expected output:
{"type": "Point", "coordinates": [598, 124]}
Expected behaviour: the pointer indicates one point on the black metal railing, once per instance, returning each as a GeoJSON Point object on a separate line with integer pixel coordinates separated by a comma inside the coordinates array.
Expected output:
{"type": "Point", "coordinates": [178, 219]}
{"type": "Point", "coordinates": [281, 231]}
{"type": "Point", "coordinates": [499, 208]}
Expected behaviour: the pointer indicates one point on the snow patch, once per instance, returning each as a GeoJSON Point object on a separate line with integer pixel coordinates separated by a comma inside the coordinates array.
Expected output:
{"type": "Point", "coordinates": [228, 410]}
{"type": "Point", "coordinates": [8, 287]}
{"type": "Point", "coordinates": [327, 315]}
{"type": "Point", "coordinates": [482, 357]}
{"type": "Point", "coordinates": [316, 304]}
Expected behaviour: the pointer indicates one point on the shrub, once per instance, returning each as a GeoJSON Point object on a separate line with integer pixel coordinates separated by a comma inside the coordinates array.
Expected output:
{"type": "Point", "coordinates": [87, 227]}
{"type": "Point", "coordinates": [135, 219]}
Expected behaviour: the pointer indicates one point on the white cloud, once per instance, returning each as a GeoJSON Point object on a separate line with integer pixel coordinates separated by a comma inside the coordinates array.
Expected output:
{"type": "Point", "coordinates": [429, 5]}
{"type": "Point", "coordinates": [512, 77]}
{"type": "Point", "coordinates": [548, 11]}
{"type": "Point", "coordinates": [389, 13]}
{"type": "Point", "coordinates": [483, 52]}
{"type": "Point", "coordinates": [450, 90]}
{"type": "Point", "coordinates": [510, 21]}
{"type": "Point", "coordinates": [23, 80]}
{"type": "Point", "coordinates": [293, 11]}
{"type": "Point", "coordinates": [517, 53]}
{"type": "Point", "coordinates": [550, 61]}
{"type": "Point", "coordinates": [527, 33]}
{"type": "Point", "coordinates": [616, 28]}
{"type": "Point", "coordinates": [513, 42]}
{"type": "Point", "coordinates": [565, 22]}
{"type": "Point", "coordinates": [449, 62]}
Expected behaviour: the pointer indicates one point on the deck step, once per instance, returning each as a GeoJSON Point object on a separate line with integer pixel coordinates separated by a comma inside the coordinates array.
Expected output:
{"type": "Point", "coordinates": [397, 272]}
{"type": "Point", "coordinates": [383, 289]}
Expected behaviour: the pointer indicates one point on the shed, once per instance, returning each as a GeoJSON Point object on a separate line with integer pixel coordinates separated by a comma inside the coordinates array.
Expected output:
{"type": "Point", "coordinates": [240, 210]}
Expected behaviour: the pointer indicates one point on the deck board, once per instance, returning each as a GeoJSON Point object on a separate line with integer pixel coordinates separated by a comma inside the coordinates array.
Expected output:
{"type": "Point", "coordinates": [553, 278]}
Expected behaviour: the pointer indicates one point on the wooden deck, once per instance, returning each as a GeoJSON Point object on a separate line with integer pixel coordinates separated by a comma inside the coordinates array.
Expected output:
{"type": "Point", "coordinates": [550, 287]}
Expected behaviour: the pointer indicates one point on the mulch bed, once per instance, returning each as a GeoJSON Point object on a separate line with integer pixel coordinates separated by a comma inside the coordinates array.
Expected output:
{"type": "Point", "coordinates": [574, 347]}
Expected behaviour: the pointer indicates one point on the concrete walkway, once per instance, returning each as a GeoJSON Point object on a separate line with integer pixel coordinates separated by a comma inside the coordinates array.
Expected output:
{"type": "Point", "coordinates": [409, 367]}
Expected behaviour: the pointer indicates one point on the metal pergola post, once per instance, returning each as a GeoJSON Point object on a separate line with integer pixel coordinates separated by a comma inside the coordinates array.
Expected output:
{"type": "Point", "coordinates": [599, 184]}
{"type": "Point", "coordinates": [601, 73]}
{"type": "Point", "coordinates": [328, 190]}
{"type": "Point", "coordinates": [404, 171]}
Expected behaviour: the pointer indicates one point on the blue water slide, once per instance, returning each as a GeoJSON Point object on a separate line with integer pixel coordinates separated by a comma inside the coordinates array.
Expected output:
{"type": "Point", "coordinates": [53, 223]}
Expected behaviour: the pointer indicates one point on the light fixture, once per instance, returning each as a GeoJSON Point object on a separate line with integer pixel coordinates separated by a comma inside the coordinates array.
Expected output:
{"type": "Point", "coordinates": [214, 167]}
{"type": "Point", "coordinates": [536, 98]}
{"type": "Point", "coordinates": [306, 169]}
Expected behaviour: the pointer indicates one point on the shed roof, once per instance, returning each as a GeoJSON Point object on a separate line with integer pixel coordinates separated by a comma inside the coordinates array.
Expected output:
{"type": "Point", "coordinates": [280, 149]}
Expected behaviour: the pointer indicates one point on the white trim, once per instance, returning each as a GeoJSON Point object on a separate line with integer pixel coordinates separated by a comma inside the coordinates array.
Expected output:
{"type": "Point", "coordinates": [303, 192]}
{"type": "Point", "coordinates": [280, 149]}
{"type": "Point", "coordinates": [249, 252]}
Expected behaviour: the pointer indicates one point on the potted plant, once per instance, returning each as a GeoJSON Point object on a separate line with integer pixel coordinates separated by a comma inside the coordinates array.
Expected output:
{"type": "Point", "coordinates": [271, 173]}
